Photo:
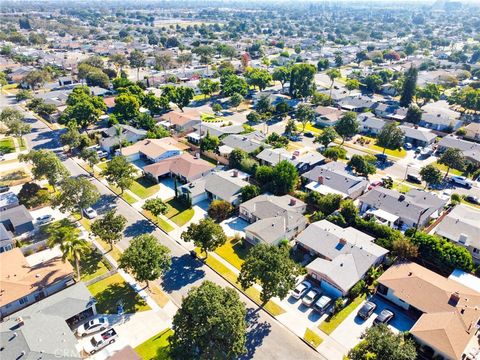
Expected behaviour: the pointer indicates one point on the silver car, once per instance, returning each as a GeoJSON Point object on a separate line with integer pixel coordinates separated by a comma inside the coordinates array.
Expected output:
{"type": "Point", "coordinates": [94, 325]}
{"type": "Point", "coordinates": [310, 297]}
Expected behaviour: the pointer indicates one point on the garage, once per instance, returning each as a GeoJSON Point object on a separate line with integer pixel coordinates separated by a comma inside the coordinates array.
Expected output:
{"type": "Point", "coordinates": [329, 289]}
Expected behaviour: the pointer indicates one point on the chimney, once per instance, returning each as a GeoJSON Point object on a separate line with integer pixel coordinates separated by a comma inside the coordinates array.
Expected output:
{"type": "Point", "coordinates": [235, 173]}
{"type": "Point", "coordinates": [410, 273]}
{"type": "Point", "coordinates": [401, 197]}
{"type": "Point", "coordinates": [20, 321]}
{"type": "Point", "coordinates": [342, 241]}
{"type": "Point", "coordinates": [320, 180]}
{"type": "Point", "coordinates": [197, 155]}
{"type": "Point", "coordinates": [454, 298]}
{"type": "Point", "coordinates": [293, 202]}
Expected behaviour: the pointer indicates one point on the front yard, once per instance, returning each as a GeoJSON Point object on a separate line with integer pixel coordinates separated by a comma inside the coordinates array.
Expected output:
{"type": "Point", "coordinates": [111, 291]}
{"type": "Point", "coordinates": [92, 265]}
{"type": "Point", "coordinates": [234, 251]}
{"type": "Point", "coordinates": [444, 168]}
{"type": "Point", "coordinates": [332, 323]}
{"type": "Point", "coordinates": [144, 187]}
{"type": "Point", "coordinates": [157, 347]}
{"type": "Point", "coordinates": [179, 212]}
{"type": "Point", "coordinates": [157, 220]}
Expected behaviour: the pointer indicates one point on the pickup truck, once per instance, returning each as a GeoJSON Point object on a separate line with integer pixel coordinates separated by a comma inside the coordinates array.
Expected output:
{"type": "Point", "coordinates": [99, 341]}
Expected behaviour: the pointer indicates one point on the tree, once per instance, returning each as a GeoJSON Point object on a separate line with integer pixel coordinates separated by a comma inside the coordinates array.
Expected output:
{"type": "Point", "coordinates": [236, 99]}
{"type": "Point", "coordinates": [184, 59]}
{"type": "Point", "coordinates": [155, 104]}
{"type": "Point", "coordinates": [220, 210]}
{"type": "Point", "coordinates": [409, 86]}
{"type": "Point", "coordinates": [32, 195]}
{"type": "Point", "coordinates": [269, 266]}
{"type": "Point", "coordinates": [380, 343]}
{"type": "Point", "coordinates": [109, 228]}
{"type": "Point", "coordinates": [76, 193]}
{"type": "Point", "coordinates": [236, 157]}
{"type": "Point", "coordinates": [21, 94]}
{"type": "Point", "coordinates": [45, 164]}
{"type": "Point", "coordinates": [155, 206]}
{"type": "Point", "coordinates": [352, 84]}
{"type": "Point", "coordinates": [137, 61]}
{"type": "Point", "coordinates": [390, 137]}
{"type": "Point", "coordinates": [321, 99]}
{"type": "Point", "coordinates": [349, 211]}
{"type": "Point", "coordinates": [126, 106]}
{"type": "Point", "coordinates": [334, 153]}
{"type": "Point", "coordinates": [71, 137]}
{"type": "Point", "coordinates": [290, 128]}
{"type": "Point", "coordinates": [427, 93]}
{"type": "Point", "coordinates": [284, 178]}
{"type": "Point", "coordinates": [36, 78]}
{"type": "Point", "coordinates": [118, 61]}
{"type": "Point", "coordinates": [120, 172]}
{"type": "Point", "coordinates": [208, 87]}
{"type": "Point", "coordinates": [209, 143]}
{"type": "Point", "coordinates": [146, 259]}
{"type": "Point", "coordinates": [13, 120]}
{"type": "Point", "coordinates": [305, 114]}
{"type": "Point", "coordinates": [206, 234]}
{"type": "Point", "coordinates": [414, 114]}
{"type": "Point", "coordinates": [210, 324]}
{"type": "Point", "coordinates": [205, 52]}
{"type": "Point", "coordinates": [403, 248]}
{"type": "Point", "coordinates": [333, 74]}
{"type": "Point", "coordinates": [277, 141]}
{"type": "Point", "coordinates": [302, 80]}
{"type": "Point", "coordinates": [431, 175]}
{"type": "Point", "coordinates": [347, 126]}
{"type": "Point", "coordinates": [323, 64]}
{"type": "Point", "coordinates": [249, 192]}
{"type": "Point", "coordinates": [329, 203]}
{"type": "Point", "coordinates": [183, 96]}
{"type": "Point", "coordinates": [260, 78]}
{"type": "Point", "coordinates": [363, 165]}
{"type": "Point", "coordinates": [254, 117]}
{"type": "Point", "coordinates": [232, 84]}
{"type": "Point", "coordinates": [327, 136]}
{"type": "Point", "coordinates": [452, 158]}
{"type": "Point", "coordinates": [373, 82]}
{"type": "Point", "coordinates": [264, 105]}
{"type": "Point", "coordinates": [281, 74]}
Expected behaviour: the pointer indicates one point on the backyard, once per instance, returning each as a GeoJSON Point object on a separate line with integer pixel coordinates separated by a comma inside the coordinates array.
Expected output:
{"type": "Point", "coordinates": [155, 348]}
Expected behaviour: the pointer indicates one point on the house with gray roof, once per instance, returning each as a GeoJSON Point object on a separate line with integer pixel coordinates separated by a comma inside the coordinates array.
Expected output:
{"type": "Point", "coordinates": [440, 122]}
{"type": "Point", "coordinates": [127, 134]}
{"type": "Point", "coordinates": [356, 103]}
{"type": "Point", "coordinates": [17, 220]}
{"type": "Point", "coordinates": [343, 255]}
{"type": "Point", "coordinates": [369, 123]}
{"type": "Point", "coordinates": [462, 227]}
{"type": "Point", "coordinates": [217, 130]}
{"type": "Point", "coordinates": [247, 142]}
{"type": "Point", "coordinates": [6, 239]}
{"type": "Point", "coordinates": [334, 178]}
{"type": "Point", "coordinates": [402, 211]}
{"type": "Point", "coordinates": [8, 200]}
{"type": "Point", "coordinates": [417, 136]}
{"type": "Point", "coordinates": [273, 156]}
{"type": "Point", "coordinates": [470, 150]}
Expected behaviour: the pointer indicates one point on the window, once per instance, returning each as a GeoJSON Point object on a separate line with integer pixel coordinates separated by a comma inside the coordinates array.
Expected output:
{"type": "Point", "coordinates": [23, 300]}
{"type": "Point", "coordinates": [382, 289]}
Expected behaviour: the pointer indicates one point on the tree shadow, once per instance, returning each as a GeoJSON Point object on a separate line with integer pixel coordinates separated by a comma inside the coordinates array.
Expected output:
{"type": "Point", "coordinates": [106, 203]}
{"type": "Point", "coordinates": [184, 271]}
{"type": "Point", "coordinates": [108, 299]}
{"type": "Point", "coordinates": [256, 331]}
{"type": "Point", "coordinates": [138, 228]}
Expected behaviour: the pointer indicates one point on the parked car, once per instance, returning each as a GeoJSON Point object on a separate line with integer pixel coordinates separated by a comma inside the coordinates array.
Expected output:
{"type": "Point", "coordinates": [462, 181]}
{"type": "Point", "coordinates": [381, 157]}
{"type": "Point", "coordinates": [375, 184]}
{"type": "Point", "coordinates": [367, 310]}
{"type": "Point", "coordinates": [301, 289]}
{"type": "Point", "coordinates": [311, 296]}
{"type": "Point", "coordinates": [90, 213]}
{"type": "Point", "coordinates": [44, 219]}
{"type": "Point", "coordinates": [309, 134]}
{"type": "Point", "coordinates": [418, 150]}
{"type": "Point", "coordinates": [426, 151]}
{"type": "Point", "coordinates": [99, 341]}
{"type": "Point", "coordinates": [472, 199]}
{"type": "Point", "coordinates": [2, 157]}
{"type": "Point", "coordinates": [4, 189]}
{"type": "Point", "coordinates": [384, 317]}
{"type": "Point", "coordinates": [407, 146]}
{"type": "Point", "coordinates": [94, 325]}
{"type": "Point", "coordinates": [322, 304]}
{"type": "Point", "coordinates": [414, 179]}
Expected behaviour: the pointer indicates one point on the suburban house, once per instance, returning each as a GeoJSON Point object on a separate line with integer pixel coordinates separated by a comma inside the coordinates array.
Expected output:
{"type": "Point", "coordinates": [273, 156]}
{"type": "Point", "coordinates": [17, 220]}
{"type": "Point", "coordinates": [334, 178]}
{"type": "Point", "coordinates": [303, 162]}
{"type": "Point", "coordinates": [219, 185]}
{"type": "Point", "coordinates": [448, 312]}
{"type": "Point", "coordinates": [8, 200]}
{"type": "Point", "coordinates": [462, 227]}
{"type": "Point", "coordinates": [44, 330]}
{"type": "Point", "coordinates": [343, 255]}
{"type": "Point", "coordinates": [247, 142]}
{"type": "Point", "coordinates": [327, 115]}
{"type": "Point", "coordinates": [121, 133]}
{"type": "Point", "coordinates": [273, 218]}
{"type": "Point", "coordinates": [384, 110]}
{"type": "Point", "coordinates": [369, 123]}
{"type": "Point", "coordinates": [6, 239]}
{"type": "Point", "coordinates": [185, 167]}
{"type": "Point", "coordinates": [472, 131]}
{"type": "Point", "coordinates": [470, 150]}
{"type": "Point", "coordinates": [356, 103]}
{"type": "Point", "coordinates": [24, 283]}
{"type": "Point", "coordinates": [182, 121]}
{"type": "Point", "coordinates": [215, 129]}
{"type": "Point", "coordinates": [438, 116]}
{"type": "Point", "coordinates": [154, 150]}
{"type": "Point", "coordinates": [402, 211]}
{"type": "Point", "coordinates": [417, 136]}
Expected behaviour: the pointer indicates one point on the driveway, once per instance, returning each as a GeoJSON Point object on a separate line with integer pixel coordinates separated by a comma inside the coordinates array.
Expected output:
{"type": "Point", "coordinates": [234, 226]}
{"type": "Point", "coordinates": [351, 329]}
{"type": "Point", "coordinates": [167, 189]}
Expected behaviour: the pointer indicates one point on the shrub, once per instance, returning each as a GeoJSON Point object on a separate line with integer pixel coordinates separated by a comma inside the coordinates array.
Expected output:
{"type": "Point", "coordinates": [220, 210]}
{"type": "Point", "coordinates": [357, 289]}
{"type": "Point", "coordinates": [32, 195]}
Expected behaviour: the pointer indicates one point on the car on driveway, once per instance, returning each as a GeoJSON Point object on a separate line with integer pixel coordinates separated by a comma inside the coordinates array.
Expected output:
{"type": "Point", "coordinates": [384, 317]}
{"type": "Point", "coordinates": [462, 181]}
{"type": "Point", "coordinates": [4, 189]}
{"type": "Point", "coordinates": [99, 341]}
{"type": "Point", "coordinates": [426, 151]}
{"type": "Point", "coordinates": [94, 325]}
{"type": "Point", "coordinates": [309, 134]}
{"type": "Point", "coordinates": [301, 289]}
{"type": "Point", "coordinates": [407, 146]}
{"type": "Point", "coordinates": [90, 213]}
{"type": "Point", "coordinates": [322, 304]}
{"type": "Point", "coordinates": [374, 184]}
{"type": "Point", "coordinates": [44, 219]}
{"type": "Point", "coordinates": [2, 157]}
{"type": "Point", "coordinates": [418, 150]}
{"type": "Point", "coordinates": [310, 297]}
{"type": "Point", "coordinates": [367, 310]}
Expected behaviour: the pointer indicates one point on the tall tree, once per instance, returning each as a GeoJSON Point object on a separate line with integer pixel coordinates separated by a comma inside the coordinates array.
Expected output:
{"type": "Point", "coordinates": [183, 96]}
{"type": "Point", "coordinates": [13, 120]}
{"type": "Point", "coordinates": [137, 61]}
{"type": "Point", "coordinates": [431, 175]}
{"type": "Point", "coordinates": [414, 114]}
{"type": "Point", "coordinates": [45, 165]}
{"type": "Point", "coordinates": [146, 259]}
{"type": "Point", "coordinates": [284, 178]}
{"type": "Point", "coordinates": [184, 59]}
{"type": "Point", "coordinates": [126, 106]}
{"type": "Point", "coordinates": [118, 61]}
{"type": "Point", "coordinates": [302, 80]}
{"type": "Point", "coordinates": [327, 136]}
{"type": "Point", "coordinates": [76, 193]}
{"type": "Point", "coordinates": [206, 234]}
{"type": "Point", "coordinates": [209, 325]}
{"type": "Point", "coordinates": [333, 74]}
{"type": "Point", "coordinates": [390, 137]}
{"type": "Point", "coordinates": [91, 157]}
{"type": "Point", "coordinates": [260, 78]}
{"type": "Point", "coordinates": [409, 86]}
{"type": "Point", "coordinates": [163, 61]}
{"type": "Point", "coordinates": [347, 126]}
{"type": "Point", "coordinates": [305, 114]}
{"type": "Point", "coordinates": [155, 206]}
{"type": "Point", "coordinates": [452, 158]}
{"type": "Point", "coordinates": [208, 87]}
{"type": "Point", "coordinates": [281, 74]}
{"type": "Point", "coordinates": [120, 172]}
{"type": "Point", "coordinates": [271, 267]}
{"type": "Point", "coordinates": [109, 228]}
{"type": "Point", "coordinates": [363, 165]}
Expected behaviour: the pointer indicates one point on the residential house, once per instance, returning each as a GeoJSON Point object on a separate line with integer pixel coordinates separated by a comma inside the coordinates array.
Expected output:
{"type": "Point", "coordinates": [218, 130]}
{"type": "Point", "coordinates": [23, 284]}
{"type": "Point", "coordinates": [343, 255]}
{"type": "Point", "coordinates": [66, 81]}
{"type": "Point", "coordinates": [327, 115]}
{"type": "Point", "coordinates": [120, 133]}
{"type": "Point", "coordinates": [308, 161]}
{"type": "Point", "coordinates": [273, 218]}
{"type": "Point", "coordinates": [384, 110]}
{"type": "Point", "coordinates": [6, 239]}
{"type": "Point", "coordinates": [275, 98]}
{"type": "Point", "coordinates": [185, 167]}
{"type": "Point", "coordinates": [17, 220]}
{"type": "Point", "coordinates": [183, 121]}
{"type": "Point", "coordinates": [417, 136]}
{"type": "Point", "coordinates": [334, 178]}
{"type": "Point", "coordinates": [370, 124]}
{"type": "Point", "coordinates": [247, 142]}
{"type": "Point", "coordinates": [8, 200]}
{"type": "Point", "coordinates": [219, 185]}
{"type": "Point", "coordinates": [440, 122]}
{"type": "Point", "coordinates": [470, 150]}
{"type": "Point", "coordinates": [356, 103]}
{"type": "Point", "coordinates": [272, 156]}
{"type": "Point", "coordinates": [448, 312]}
{"type": "Point", "coordinates": [462, 227]}
{"type": "Point", "coordinates": [472, 132]}
{"type": "Point", "coordinates": [413, 209]}
{"type": "Point", "coordinates": [154, 150]}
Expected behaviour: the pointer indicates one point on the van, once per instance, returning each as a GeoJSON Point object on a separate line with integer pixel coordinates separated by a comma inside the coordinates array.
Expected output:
{"type": "Point", "coordinates": [462, 181]}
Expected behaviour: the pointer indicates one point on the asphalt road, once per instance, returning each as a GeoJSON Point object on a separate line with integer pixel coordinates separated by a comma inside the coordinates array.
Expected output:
{"type": "Point", "coordinates": [266, 339]}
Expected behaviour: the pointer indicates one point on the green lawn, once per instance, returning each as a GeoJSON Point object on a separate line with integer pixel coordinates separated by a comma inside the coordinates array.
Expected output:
{"type": "Point", "coordinates": [156, 348]}
{"type": "Point", "coordinates": [22, 143]}
{"type": "Point", "coordinates": [331, 324]}
{"type": "Point", "coordinates": [115, 252]}
{"type": "Point", "coordinates": [144, 187]}
{"type": "Point", "coordinates": [110, 291]}
{"type": "Point", "coordinates": [102, 165]}
{"type": "Point", "coordinates": [92, 265]}
{"type": "Point", "coordinates": [310, 128]}
{"type": "Point", "coordinates": [312, 338]}
{"type": "Point", "coordinates": [7, 146]}
{"type": "Point", "coordinates": [125, 196]}
{"type": "Point", "coordinates": [444, 168]}
{"type": "Point", "coordinates": [158, 221]}
{"type": "Point", "coordinates": [179, 212]}
{"type": "Point", "coordinates": [211, 118]}
{"type": "Point", "coordinates": [396, 153]}
{"type": "Point", "coordinates": [200, 97]}
{"type": "Point", "coordinates": [234, 251]}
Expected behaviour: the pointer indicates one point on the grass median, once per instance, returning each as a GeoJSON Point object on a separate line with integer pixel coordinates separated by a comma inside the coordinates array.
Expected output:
{"type": "Point", "coordinates": [329, 325]}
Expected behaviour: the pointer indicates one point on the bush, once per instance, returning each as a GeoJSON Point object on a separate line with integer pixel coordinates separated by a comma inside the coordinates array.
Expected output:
{"type": "Point", "coordinates": [32, 195]}
{"type": "Point", "coordinates": [220, 210]}
{"type": "Point", "coordinates": [338, 305]}
{"type": "Point", "coordinates": [357, 289]}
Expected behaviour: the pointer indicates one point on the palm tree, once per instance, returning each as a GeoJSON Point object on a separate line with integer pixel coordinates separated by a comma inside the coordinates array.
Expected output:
{"type": "Point", "coordinates": [118, 135]}
{"type": "Point", "coordinates": [333, 74]}
{"type": "Point", "coordinates": [73, 249]}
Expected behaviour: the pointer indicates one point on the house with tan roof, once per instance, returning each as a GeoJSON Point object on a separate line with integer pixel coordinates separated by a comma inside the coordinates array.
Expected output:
{"type": "Point", "coordinates": [186, 167]}
{"type": "Point", "coordinates": [154, 150]}
{"type": "Point", "coordinates": [448, 312]}
{"type": "Point", "coordinates": [182, 121]}
{"type": "Point", "coordinates": [23, 283]}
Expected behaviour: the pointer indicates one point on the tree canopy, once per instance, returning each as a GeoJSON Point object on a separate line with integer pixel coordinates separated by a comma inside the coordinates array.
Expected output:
{"type": "Point", "coordinates": [206, 234]}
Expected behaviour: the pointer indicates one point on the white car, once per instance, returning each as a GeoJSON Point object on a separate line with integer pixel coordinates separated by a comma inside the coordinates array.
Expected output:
{"type": "Point", "coordinates": [90, 213]}
{"type": "Point", "coordinates": [301, 289]}
{"type": "Point", "coordinates": [94, 325]}
{"type": "Point", "coordinates": [44, 219]}
{"type": "Point", "coordinates": [461, 180]}
{"type": "Point", "coordinates": [426, 151]}
{"type": "Point", "coordinates": [311, 296]}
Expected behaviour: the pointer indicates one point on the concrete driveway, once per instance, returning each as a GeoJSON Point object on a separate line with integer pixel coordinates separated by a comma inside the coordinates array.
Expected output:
{"type": "Point", "coordinates": [352, 328]}
{"type": "Point", "coordinates": [234, 226]}
{"type": "Point", "coordinates": [167, 189]}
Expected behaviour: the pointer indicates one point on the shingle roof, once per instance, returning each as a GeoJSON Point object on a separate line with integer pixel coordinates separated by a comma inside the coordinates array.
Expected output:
{"type": "Point", "coordinates": [273, 228]}
{"type": "Point", "coordinates": [224, 184]}
{"type": "Point", "coordinates": [248, 142]}
{"type": "Point", "coordinates": [184, 165]}
{"type": "Point", "coordinates": [265, 206]}
{"type": "Point", "coordinates": [420, 134]}
{"type": "Point", "coordinates": [154, 147]}
{"type": "Point", "coordinates": [17, 215]}
{"type": "Point", "coordinates": [462, 224]}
